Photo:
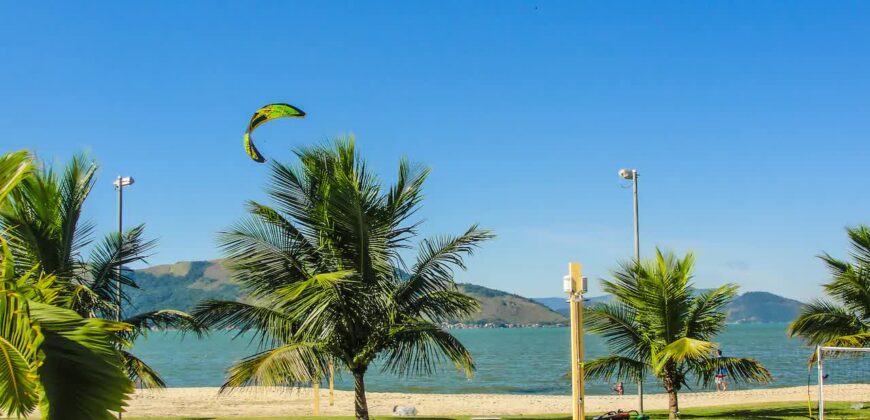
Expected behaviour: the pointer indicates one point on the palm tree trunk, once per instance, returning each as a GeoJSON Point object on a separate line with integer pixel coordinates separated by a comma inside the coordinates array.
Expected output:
{"type": "Point", "coordinates": [360, 405]}
{"type": "Point", "coordinates": [673, 403]}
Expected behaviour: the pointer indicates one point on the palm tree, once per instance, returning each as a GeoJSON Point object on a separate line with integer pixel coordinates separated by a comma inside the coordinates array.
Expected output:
{"type": "Point", "coordinates": [44, 214]}
{"type": "Point", "coordinates": [845, 321]}
{"type": "Point", "coordinates": [656, 323]}
{"type": "Point", "coordinates": [50, 356]}
{"type": "Point", "coordinates": [327, 282]}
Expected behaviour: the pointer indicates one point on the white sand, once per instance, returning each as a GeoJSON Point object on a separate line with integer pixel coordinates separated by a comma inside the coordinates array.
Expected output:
{"type": "Point", "coordinates": [206, 402]}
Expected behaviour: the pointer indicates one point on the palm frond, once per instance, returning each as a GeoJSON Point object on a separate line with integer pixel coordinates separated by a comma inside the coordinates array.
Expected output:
{"type": "Point", "coordinates": [707, 315]}
{"type": "Point", "coordinates": [821, 321]}
{"type": "Point", "coordinates": [269, 325]}
{"type": "Point", "coordinates": [14, 166]}
{"type": "Point", "coordinates": [262, 255]}
{"type": "Point", "coordinates": [20, 339]}
{"type": "Point", "coordinates": [404, 199]}
{"type": "Point", "coordinates": [433, 271]}
{"type": "Point", "coordinates": [81, 374]}
{"type": "Point", "coordinates": [441, 306]}
{"type": "Point", "coordinates": [313, 303]}
{"type": "Point", "coordinates": [852, 288]}
{"type": "Point", "coordinates": [615, 367]}
{"type": "Point", "coordinates": [289, 364]}
{"type": "Point", "coordinates": [859, 238]}
{"type": "Point", "coordinates": [140, 373]}
{"type": "Point", "coordinates": [861, 339]}
{"type": "Point", "coordinates": [617, 323]}
{"type": "Point", "coordinates": [75, 186]}
{"type": "Point", "coordinates": [163, 319]}
{"type": "Point", "coordinates": [681, 350]}
{"type": "Point", "coordinates": [739, 370]}
{"type": "Point", "coordinates": [418, 347]}
{"type": "Point", "coordinates": [103, 274]}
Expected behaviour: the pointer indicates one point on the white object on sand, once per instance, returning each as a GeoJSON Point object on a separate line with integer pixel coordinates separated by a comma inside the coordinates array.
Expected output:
{"type": "Point", "coordinates": [399, 410]}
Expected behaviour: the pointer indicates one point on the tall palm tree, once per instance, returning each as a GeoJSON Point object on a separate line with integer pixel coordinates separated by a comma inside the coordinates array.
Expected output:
{"type": "Point", "coordinates": [50, 356]}
{"type": "Point", "coordinates": [845, 321]}
{"type": "Point", "coordinates": [327, 282]}
{"type": "Point", "coordinates": [657, 324]}
{"type": "Point", "coordinates": [44, 214]}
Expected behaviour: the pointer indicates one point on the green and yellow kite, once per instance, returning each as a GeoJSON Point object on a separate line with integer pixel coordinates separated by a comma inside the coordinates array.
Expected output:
{"type": "Point", "coordinates": [267, 113]}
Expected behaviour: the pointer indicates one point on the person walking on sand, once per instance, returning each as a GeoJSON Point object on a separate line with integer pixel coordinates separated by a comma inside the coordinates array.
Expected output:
{"type": "Point", "coordinates": [721, 385]}
{"type": "Point", "coordinates": [619, 389]}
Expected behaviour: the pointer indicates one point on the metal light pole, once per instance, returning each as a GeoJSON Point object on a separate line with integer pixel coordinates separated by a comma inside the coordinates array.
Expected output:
{"type": "Point", "coordinates": [631, 174]}
{"type": "Point", "coordinates": [120, 183]}
{"type": "Point", "coordinates": [574, 285]}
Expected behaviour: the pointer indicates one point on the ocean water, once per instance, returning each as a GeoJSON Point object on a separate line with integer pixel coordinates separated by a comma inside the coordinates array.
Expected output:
{"type": "Point", "coordinates": [509, 361]}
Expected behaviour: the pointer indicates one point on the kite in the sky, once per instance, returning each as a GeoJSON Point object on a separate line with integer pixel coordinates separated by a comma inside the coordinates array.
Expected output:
{"type": "Point", "coordinates": [264, 114]}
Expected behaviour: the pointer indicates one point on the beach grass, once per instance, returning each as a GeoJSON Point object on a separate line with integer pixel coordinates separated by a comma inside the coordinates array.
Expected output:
{"type": "Point", "coordinates": [771, 411]}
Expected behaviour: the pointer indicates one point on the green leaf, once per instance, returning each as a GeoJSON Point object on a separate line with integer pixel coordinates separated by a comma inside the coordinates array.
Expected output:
{"type": "Point", "coordinates": [81, 375]}
{"type": "Point", "coordinates": [289, 364]}
{"type": "Point", "coordinates": [683, 349]}
{"type": "Point", "coordinates": [13, 168]}
{"type": "Point", "coordinates": [19, 343]}
{"type": "Point", "coordinates": [140, 373]}
{"type": "Point", "coordinates": [614, 367]}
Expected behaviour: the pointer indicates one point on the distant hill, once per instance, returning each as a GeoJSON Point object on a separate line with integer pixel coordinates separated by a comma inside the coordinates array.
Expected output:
{"type": "Point", "coordinates": [183, 284]}
{"type": "Point", "coordinates": [750, 307]}
{"type": "Point", "coordinates": [763, 307]}
{"type": "Point", "coordinates": [560, 304]}
{"type": "Point", "coordinates": [499, 307]}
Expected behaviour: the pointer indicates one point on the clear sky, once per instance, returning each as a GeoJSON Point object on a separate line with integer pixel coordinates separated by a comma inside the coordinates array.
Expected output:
{"type": "Point", "coordinates": [748, 121]}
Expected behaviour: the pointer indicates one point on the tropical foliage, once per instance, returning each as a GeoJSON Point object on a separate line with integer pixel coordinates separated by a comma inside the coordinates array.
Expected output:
{"type": "Point", "coordinates": [656, 324]}
{"type": "Point", "coordinates": [44, 216]}
{"type": "Point", "coordinates": [327, 282]}
{"type": "Point", "coordinates": [844, 319]}
{"type": "Point", "coordinates": [51, 357]}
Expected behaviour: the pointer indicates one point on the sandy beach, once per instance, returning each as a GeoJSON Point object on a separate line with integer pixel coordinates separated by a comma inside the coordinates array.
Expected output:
{"type": "Point", "coordinates": [206, 402]}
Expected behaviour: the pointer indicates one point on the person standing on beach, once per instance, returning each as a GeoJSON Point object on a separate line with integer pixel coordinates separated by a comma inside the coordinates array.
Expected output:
{"type": "Point", "coordinates": [721, 385]}
{"type": "Point", "coordinates": [619, 389]}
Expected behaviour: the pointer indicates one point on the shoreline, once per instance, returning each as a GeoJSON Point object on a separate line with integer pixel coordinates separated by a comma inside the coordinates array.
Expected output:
{"type": "Point", "coordinates": [268, 402]}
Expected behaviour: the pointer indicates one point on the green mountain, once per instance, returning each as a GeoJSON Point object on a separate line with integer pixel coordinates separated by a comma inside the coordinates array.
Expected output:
{"type": "Point", "coordinates": [183, 284]}
{"type": "Point", "coordinates": [499, 307]}
{"type": "Point", "coordinates": [750, 307]}
{"type": "Point", "coordinates": [763, 307]}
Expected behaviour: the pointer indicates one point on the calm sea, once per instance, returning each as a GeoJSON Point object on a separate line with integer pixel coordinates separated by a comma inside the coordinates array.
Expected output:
{"type": "Point", "coordinates": [509, 361]}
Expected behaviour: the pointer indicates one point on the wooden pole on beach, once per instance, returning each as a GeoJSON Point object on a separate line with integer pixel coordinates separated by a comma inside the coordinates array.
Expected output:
{"type": "Point", "coordinates": [575, 287]}
{"type": "Point", "coordinates": [316, 388]}
{"type": "Point", "coordinates": [331, 383]}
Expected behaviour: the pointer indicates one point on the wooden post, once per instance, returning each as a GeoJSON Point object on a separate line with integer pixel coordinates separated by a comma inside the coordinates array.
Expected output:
{"type": "Point", "coordinates": [575, 301]}
{"type": "Point", "coordinates": [316, 388]}
{"type": "Point", "coordinates": [331, 383]}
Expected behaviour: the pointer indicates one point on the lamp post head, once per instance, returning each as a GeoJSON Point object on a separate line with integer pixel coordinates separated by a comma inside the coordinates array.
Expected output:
{"type": "Point", "coordinates": [123, 181]}
{"type": "Point", "coordinates": [627, 173]}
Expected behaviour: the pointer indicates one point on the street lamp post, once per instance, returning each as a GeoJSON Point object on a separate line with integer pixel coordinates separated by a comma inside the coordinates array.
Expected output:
{"type": "Point", "coordinates": [631, 174]}
{"type": "Point", "coordinates": [120, 184]}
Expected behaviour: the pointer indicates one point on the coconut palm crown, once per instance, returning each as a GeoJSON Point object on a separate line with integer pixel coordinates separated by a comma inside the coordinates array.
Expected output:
{"type": "Point", "coordinates": [844, 318]}
{"type": "Point", "coordinates": [43, 214]}
{"type": "Point", "coordinates": [51, 357]}
{"type": "Point", "coordinates": [327, 282]}
{"type": "Point", "coordinates": [657, 324]}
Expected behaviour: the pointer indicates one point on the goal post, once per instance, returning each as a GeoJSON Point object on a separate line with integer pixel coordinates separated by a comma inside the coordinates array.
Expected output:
{"type": "Point", "coordinates": [825, 354]}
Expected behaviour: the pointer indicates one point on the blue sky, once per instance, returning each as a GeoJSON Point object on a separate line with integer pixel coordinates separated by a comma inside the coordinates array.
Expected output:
{"type": "Point", "coordinates": [748, 121]}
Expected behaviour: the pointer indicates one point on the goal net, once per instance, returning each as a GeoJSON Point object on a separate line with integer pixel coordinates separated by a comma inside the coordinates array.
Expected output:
{"type": "Point", "coordinates": [843, 382]}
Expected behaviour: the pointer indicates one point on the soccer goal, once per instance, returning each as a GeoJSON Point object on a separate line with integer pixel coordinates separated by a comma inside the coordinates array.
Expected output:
{"type": "Point", "coordinates": [843, 378]}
